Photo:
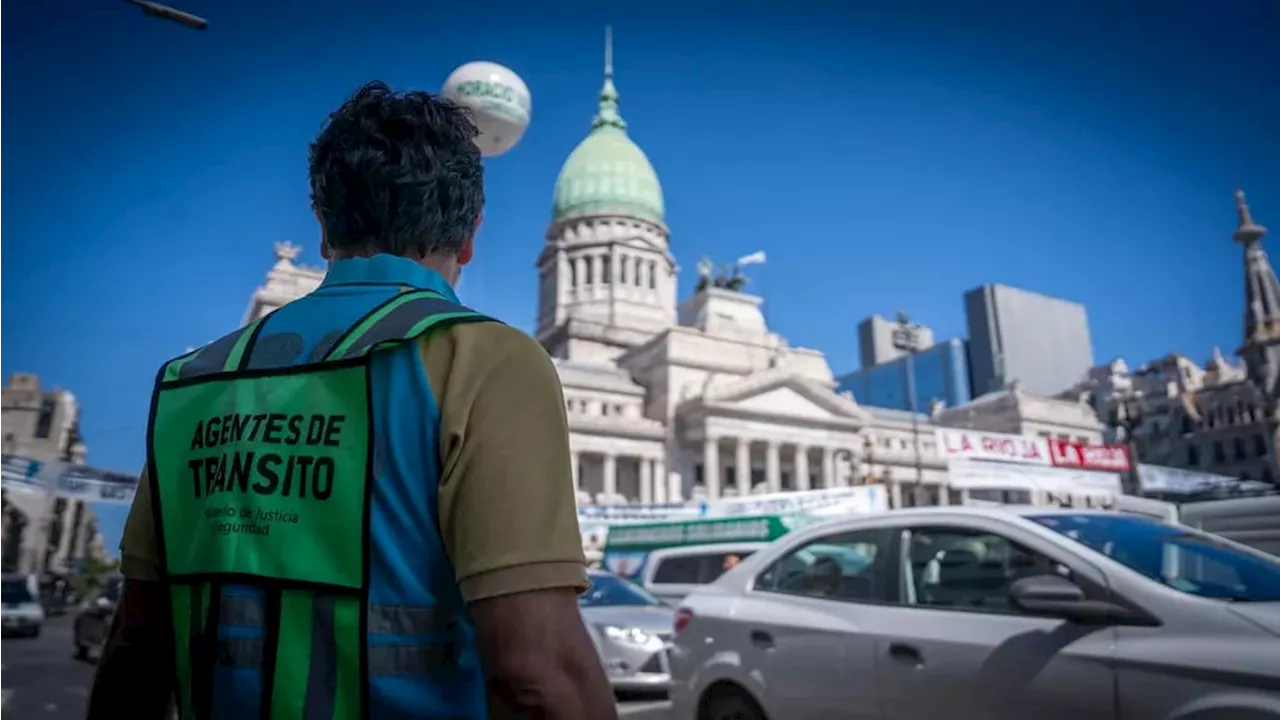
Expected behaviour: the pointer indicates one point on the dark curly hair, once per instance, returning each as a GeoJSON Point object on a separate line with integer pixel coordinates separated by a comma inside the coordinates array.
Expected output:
{"type": "Point", "coordinates": [397, 173]}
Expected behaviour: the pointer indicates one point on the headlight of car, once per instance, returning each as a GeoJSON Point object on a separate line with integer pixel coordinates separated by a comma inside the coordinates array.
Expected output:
{"type": "Point", "coordinates": [632, 636]}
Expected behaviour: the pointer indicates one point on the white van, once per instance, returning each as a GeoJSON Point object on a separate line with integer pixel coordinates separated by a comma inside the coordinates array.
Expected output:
{"type": "Point", "coordinates": [20, 610]}
{"type": "Point", "coordinates": [671, 573]}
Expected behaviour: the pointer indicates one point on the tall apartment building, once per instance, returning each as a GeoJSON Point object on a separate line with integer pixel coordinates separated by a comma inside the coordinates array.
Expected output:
{"type": "Point", "coordinates": [1020, 335]}
{"type": "Point", "coordinates": [42, 424]}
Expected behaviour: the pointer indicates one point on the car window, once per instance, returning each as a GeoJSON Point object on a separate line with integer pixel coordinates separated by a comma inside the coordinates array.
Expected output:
{"type": "Point", "coordinates": [1192, 562]}
{"type": "Point", "coordinates": [613, 591]}
{"type": "Point", "coordinates": [836, 567]}
{"type": "Point", "coordinates": [697, 569]}
{"type": "Point", "coordinates": [966, 569]}
{"type": "Point", "coordinates": [16, 592]}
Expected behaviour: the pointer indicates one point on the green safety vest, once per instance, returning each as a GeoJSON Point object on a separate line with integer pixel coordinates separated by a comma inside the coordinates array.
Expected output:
{"type": "Point", "coordinates": [263, 477]}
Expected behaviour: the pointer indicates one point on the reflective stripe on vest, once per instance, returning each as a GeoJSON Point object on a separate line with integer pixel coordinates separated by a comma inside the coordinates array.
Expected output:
{"type": "Point", "coordinates": [384, 660]}
{"type": "Point", "coordinates": [260, 474]}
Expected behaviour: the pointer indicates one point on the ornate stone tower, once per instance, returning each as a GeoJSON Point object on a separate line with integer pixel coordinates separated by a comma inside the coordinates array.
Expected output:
{"type": "Point", "coordinates": [607, 279]}
{"type": "Point", "coordinates": [1261, 348]}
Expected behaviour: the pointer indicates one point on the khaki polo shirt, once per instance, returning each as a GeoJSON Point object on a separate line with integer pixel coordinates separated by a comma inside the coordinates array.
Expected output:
{"type": "Point", "coordinates": [508, 514]}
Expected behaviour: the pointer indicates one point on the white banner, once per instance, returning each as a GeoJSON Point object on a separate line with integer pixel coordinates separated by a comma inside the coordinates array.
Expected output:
{"type": "Point", "coordinates": [993, 447]}
{"type": "Point", "coordinates": [637, 513]}
{"type": "Point", "coordinates": [74, 482]}
{"type": "Point", "coordinates": [23, 475]}
{"type": "Point", "coordinates": [835, 501]}
{"type": "Point", "coordinates": [857, 500]}
{"type": "Point", "coordinates": [971, 475]}
{"type": "Point", "coordinates": [1158, 478]}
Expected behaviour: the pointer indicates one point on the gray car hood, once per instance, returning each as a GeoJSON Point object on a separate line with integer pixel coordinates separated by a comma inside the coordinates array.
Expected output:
{"type": "Point", "coordinates": [656, 619]}
{"type": "Point", "coordinates": [1265, 615]}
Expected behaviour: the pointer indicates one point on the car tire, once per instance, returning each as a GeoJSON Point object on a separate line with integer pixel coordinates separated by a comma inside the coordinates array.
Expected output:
{"type": "Point", "coordinates": [34, 632]}
{"type": "Point", "coordinates": [730, 702]}
{"type": "Point", "coordinates": [82, 652]}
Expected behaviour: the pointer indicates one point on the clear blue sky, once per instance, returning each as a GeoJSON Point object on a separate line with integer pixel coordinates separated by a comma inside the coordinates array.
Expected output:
{"type": "Point", "coordinates": [886, 155]}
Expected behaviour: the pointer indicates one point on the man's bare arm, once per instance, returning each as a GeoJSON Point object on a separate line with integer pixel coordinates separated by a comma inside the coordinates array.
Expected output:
{"type": "Point", "coordinates": [135, 677]}
{"type": "Point", "coordinates": [539, 659]}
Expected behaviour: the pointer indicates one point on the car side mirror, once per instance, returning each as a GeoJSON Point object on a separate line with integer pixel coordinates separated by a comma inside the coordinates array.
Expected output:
{"type": "Point", "coordinates": [1056, 596]}
{"type": "Point", "coordinates": [1059, 597]}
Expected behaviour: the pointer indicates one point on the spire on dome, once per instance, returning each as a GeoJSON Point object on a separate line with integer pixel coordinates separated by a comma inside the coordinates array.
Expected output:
{"type": "Point", "coordinates": [607, 115]}
{"type": "Point", "coordinates": [1247, 231]}
{"type": "Point", "coordinates": [1262, 290]}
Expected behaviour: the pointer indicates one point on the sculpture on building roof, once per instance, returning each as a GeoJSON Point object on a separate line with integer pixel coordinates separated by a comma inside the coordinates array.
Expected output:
{"type": "Point", "coordinates": [726, 277]}
{"type": "Point", "coordinates": [287, 251]}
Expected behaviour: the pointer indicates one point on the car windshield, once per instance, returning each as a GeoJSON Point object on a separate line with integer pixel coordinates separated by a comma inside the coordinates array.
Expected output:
{"type": "Point", "coordinates": [611, 590]}
{"type": "Point", "coordinates": [15, 592]}
{"type": "Point", "coordinates": [1192, 562]}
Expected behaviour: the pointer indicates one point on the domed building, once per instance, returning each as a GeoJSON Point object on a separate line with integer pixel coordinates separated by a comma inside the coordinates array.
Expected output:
{"type": "Point", "coordinates": [659, 392]}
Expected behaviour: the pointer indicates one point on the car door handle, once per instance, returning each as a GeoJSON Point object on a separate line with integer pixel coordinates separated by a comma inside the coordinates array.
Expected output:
{"type": "Point", "coordinates": [762, 639]}
{"type": "Point", "coordinates": [906, 654]}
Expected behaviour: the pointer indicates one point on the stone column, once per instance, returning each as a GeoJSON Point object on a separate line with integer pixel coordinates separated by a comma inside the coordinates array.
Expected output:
{"type": "Point", "coordinates": [610, 475]}
{"type": "Point", "coordinates": [597, 274]}
{"type": "Point", "coordinates": [646, 480]}
{"type": "Point", "coordinates": [828, 469]}
{"type": "Point", "coordinates": [577, 470]}
{"type": "Point", "coordinates": [671, 480]}
{"type": "Point", "coordinates": [562, 277]}
{"type": "Point", "coordinates": [800, 467]}
{"type": "Point", "coordinates": [742, 466]}
{"type": "Point", "coordinates": [772, 468]}
{"type": "Point", "coordinates": [711, 467]}
{"type": "Point", "coordinates": [895, 494]}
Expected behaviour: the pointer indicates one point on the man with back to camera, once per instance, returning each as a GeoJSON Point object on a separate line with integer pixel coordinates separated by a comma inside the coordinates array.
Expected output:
{"type": "Point", "coordinates": [359, 506]}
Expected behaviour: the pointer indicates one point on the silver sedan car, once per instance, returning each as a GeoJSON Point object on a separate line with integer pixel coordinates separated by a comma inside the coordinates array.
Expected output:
{"type": "Point", "coordinates": [631, 628]}
{"type": "Point", "coordinates": [989, 614]}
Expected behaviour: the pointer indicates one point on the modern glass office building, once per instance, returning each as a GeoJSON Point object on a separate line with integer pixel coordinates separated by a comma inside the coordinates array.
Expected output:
{"type": "Point", "coordinates": [941, 373]}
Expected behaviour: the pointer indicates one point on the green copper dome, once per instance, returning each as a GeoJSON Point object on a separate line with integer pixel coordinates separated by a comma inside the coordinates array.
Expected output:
{"type": "Point", "coordinates": [608, 174]}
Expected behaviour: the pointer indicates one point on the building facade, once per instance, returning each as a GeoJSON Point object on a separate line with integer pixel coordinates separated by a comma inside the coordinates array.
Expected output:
{"type": "Point", "coordinates": [673, 400]}
{"type": "Point", "coordinates": [940, 374]}
{"type": "Point", "coordinates": [876, 345]}
{"type": "Point", "coordinates": [1220, 418]}
{"type": "Point", "coordinates": [43, 533]}
{"type": "Point", "coordinates": [1014, 334]}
